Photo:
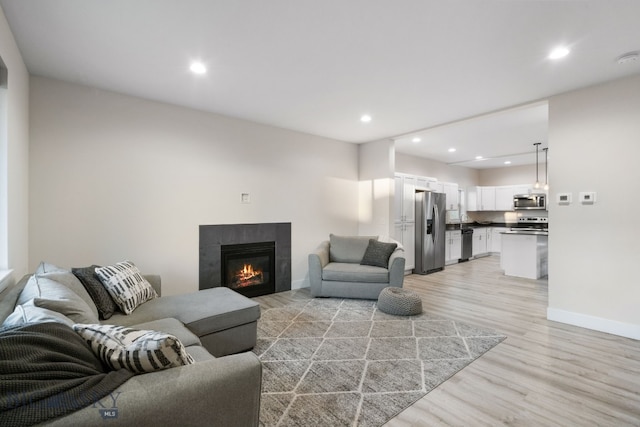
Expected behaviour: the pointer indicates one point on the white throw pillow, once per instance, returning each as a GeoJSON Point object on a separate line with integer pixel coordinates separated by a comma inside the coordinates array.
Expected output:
{"type": "Point", "coordinates": [136, 350]}
{"type": "Point", "coordinates": [125, 284]}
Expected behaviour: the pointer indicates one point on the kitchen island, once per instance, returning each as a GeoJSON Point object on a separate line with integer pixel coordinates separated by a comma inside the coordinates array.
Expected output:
{"type": "Point", "coordinates": [525, 254]}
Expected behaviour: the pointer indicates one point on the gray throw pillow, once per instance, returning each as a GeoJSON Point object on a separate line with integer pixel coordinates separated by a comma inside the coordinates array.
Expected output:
{"type": "Point", "coordinates": [96, 290]}
{"type": "Point", "coordinates": [378, 253]}
{"type": "Point", "coordinates": [57, 297]}
{"type": "Point", "coordinates": [29, 313]}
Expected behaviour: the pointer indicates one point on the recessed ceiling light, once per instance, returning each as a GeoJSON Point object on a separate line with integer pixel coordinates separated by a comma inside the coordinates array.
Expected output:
{"type": "Point", "coordinates": [416, 140]}
{"type": "Point", "coordinates": [508, 162]}
{"type": "Point", "coordinates": [365, 118]}
{"type": "Point", "coordinates": [479, 157]}
{"type": "Point", "coordinates": [559, 52]}
{"type": "Point", "coordinates": [629, 58]}
{"type": "Point", "coordinates": [198, 68]}
{"type": "Point", "coordinates": [452, 150]}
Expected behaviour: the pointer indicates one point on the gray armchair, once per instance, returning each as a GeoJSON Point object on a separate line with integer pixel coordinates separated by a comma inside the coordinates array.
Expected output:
{"type": "Point", "coordinates": [335, 269]}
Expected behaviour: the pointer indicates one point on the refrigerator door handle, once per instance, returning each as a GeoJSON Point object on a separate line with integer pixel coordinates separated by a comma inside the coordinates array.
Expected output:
{"type": "Point", "coordinates": [436, 220]}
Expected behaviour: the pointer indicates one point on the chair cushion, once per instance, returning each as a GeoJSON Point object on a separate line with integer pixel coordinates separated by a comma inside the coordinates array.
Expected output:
{"type": "Point", "coordinates": [348, 248]}
{"type": "Point", "coordinates": [348, 272]}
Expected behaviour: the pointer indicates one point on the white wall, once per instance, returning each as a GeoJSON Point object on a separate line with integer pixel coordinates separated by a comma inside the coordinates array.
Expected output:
{"type": "Point", "coordinates": [593, 249]}
{"type": "Point", "coordinates": [115, 177]}
{"type": "Point", "coordinates": [376, 169]}
{"type": "Point", "coordinates": [464, 177]}
{"type": "Point", "coordinates": [512, 175]}
{"type": "Point", "coordinates": [14, 151]}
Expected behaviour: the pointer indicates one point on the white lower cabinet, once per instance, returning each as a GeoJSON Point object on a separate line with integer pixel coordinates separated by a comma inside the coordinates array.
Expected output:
{"type": "Point", "coordinates": [453, 246]}
{"type": "Point", "coordinates": [479, 242]}
{"type": "Point", "coordinates": [405, 233]}
{"type": "Point", "coordinates": [496, 239]}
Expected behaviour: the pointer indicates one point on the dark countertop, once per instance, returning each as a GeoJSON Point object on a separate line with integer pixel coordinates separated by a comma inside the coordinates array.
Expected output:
{"type": "Point", "coordinates": [479, 225]}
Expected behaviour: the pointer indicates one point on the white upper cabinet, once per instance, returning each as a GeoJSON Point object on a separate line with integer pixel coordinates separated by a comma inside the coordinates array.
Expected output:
{"type": "Point", "coordinates": [498, 198]}
{"type": "Point", "coordinates": [504, 198]}
{"type": "Point", "coordinates": [451, 191]}
{"type": "Point", "coordinates": [404, 199]}
{"type": "Point", "coordinates": [481, 199]}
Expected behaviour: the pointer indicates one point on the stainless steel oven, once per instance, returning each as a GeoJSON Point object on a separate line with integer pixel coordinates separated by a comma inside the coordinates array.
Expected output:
{"type": "Point", "coordinates": [529, 201]}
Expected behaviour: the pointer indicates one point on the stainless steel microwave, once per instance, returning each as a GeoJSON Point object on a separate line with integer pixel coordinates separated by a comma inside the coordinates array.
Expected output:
{"type": "Point", "coordinates": [529, 201]}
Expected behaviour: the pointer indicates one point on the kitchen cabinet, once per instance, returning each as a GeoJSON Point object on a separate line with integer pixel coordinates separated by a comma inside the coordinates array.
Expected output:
{"type": "Point", "coordinates": [405, 196]}
{"type": "Point", "coordinates": [496, 239]}
{"type": "Point", "coordinates": [450, 189]}
{"type": "Point", "coordinates": [453, 246]}
{"type": "Point", "coordinates": [479, 242]}
{"type": "Point", "coordinates": [405, 233]}
{"type": "Point", "coordinates": [504, 197]}
{"type": "Point", "coordinates": [481, 199]}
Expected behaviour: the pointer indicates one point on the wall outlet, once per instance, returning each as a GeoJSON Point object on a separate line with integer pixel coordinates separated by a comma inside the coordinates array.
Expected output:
{"type": "Point", "coordinates": [245, 198]}
{"type": "Point", "coordinates": [587, 197]}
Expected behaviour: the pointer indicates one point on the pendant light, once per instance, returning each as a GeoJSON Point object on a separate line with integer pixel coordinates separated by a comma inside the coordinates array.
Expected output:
{"type": "Point", "coordinates": [537, 184]}
{"type": "Point", "coordinates": [546, 168]}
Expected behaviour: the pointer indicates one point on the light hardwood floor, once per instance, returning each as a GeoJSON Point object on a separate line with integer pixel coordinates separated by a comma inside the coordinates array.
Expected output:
{"type": "Point", "coordinates": [544, 374]}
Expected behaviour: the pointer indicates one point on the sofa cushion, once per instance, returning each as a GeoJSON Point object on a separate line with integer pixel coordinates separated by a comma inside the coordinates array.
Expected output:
{"type": "Point", "coordinates": [348, 272]}
{"type": "Point", "coordinates": [348, 248]}
{"type": "Point", "coordinates": [172, 327]}
{"type": "Point", "coordinates": [68, 279]}
{"type": "Point", "coordinates": [126, 285]}
{"type": "Point", "coordinates": [378, 253]}
{"type": "Point", "coordinates": [199, 353]}
{"type": "Point", "coordinates": [136, 350]}
{"type": "Point", "coordinates": [96, 290]}
{"type": "Point", "coordinates": [30, 313]}
{"type": "Point", "coordinates": [52, 295]}
{"type": "Point", "coordinates": [203, 312]}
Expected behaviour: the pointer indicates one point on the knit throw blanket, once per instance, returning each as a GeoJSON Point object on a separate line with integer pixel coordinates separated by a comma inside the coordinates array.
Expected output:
{"type": "Point", "coordinates": [46, 371]}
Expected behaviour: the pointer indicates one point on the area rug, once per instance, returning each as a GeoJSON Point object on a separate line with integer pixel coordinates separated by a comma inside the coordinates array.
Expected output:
{"type": "Point", "coordinates": [341, 362]}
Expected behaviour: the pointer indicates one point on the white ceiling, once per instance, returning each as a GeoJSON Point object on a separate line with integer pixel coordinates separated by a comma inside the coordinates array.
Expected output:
{"type": "Point", "coordinates": [317, 66]}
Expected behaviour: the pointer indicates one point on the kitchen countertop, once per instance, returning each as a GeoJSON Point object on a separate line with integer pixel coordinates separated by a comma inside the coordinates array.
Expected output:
{"type": "Point", "coordinates": [459, 226]}
{"type": "Point", "coordinates": [527, 232]}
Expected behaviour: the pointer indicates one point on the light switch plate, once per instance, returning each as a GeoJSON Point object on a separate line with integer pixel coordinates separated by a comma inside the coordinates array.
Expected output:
{"type": "Point", "coordinates": [245, 198]}
{"type": "Point", "coordinates": [587, 197]}
{"type": "Point", "coordinates": [564, 198]}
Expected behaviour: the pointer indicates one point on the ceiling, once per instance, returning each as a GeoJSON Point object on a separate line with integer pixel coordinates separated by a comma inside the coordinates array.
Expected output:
{"type": "Point", "coordinates": [317, 66]}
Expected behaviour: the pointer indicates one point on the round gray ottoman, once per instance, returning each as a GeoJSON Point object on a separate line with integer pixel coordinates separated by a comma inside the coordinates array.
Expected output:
{"type": "Point", "coordinates": [399, 301]}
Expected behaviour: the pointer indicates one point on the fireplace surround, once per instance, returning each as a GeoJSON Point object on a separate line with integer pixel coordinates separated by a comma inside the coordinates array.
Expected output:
{"type": "Point", "coordinates": [245, 248]}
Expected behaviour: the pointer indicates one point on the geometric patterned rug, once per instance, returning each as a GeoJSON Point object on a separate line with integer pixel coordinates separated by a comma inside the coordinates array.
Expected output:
{"type": "Point", "coordinates": [342, 362]}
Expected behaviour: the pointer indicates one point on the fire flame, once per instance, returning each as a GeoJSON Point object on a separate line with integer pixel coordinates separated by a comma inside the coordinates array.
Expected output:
{"type": "Point", "coordinates": [248, 275]}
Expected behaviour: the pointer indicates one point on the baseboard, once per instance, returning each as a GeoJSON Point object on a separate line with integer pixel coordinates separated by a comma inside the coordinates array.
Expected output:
{"type": "Point", "coordinates": [614, 327]}
{"type": "Point", "coordinates": [299, 284]}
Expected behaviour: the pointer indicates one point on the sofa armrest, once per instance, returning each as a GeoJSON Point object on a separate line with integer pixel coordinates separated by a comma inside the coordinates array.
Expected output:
{"type": "Point", "coordinates": [217, 392]}
{"type": "Point", "coordinates": [318, 259]}
{"type": "Point", "coordinates": [396, 267]}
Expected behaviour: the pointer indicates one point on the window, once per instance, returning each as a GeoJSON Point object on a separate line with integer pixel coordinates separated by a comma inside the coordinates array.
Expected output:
{"type": "Point", "coordinates": [4, 225]}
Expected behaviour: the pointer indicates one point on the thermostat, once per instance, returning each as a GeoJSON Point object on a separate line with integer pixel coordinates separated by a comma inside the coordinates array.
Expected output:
{"type": "Point", "coordinates": [563, 198]}
{"type": "Point", "coordinates": [587, 197]}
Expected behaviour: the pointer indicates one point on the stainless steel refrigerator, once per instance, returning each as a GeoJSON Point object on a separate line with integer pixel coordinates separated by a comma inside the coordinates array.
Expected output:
{"type": "Point", "coordinates": [430, 231]}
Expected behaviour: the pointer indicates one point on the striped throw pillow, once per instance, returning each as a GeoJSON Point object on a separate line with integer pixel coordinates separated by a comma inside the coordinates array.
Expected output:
{"type": "Point", "coordinates": [125, 284]}
{"type": "Point", "coordinates": [136, 350]}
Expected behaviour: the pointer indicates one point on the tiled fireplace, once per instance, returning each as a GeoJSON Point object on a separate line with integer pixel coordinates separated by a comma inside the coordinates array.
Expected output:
{"type": "Point", "coordinates": [252, 259]}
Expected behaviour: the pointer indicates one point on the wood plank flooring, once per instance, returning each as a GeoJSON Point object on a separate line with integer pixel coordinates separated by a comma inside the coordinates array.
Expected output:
{"type": "Point", "coordinates": [544, 374]}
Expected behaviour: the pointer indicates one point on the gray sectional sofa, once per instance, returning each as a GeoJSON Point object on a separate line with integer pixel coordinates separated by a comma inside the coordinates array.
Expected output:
{"type": "Point", "coordinates": [222, 388]}
{"type": "Point", "coordinates": [355, 267]}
